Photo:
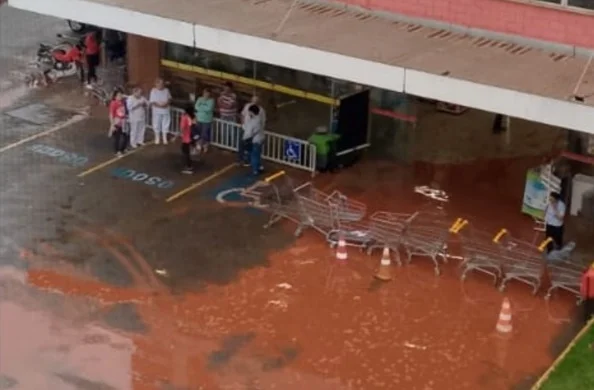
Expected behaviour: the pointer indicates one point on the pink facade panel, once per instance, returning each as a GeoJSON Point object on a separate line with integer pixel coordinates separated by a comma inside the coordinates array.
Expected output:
{"type": "Point", "coordinates": [530, 21]}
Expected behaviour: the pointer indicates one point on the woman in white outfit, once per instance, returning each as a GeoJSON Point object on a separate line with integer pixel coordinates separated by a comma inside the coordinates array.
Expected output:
{"type": "Point", "coordinates": [160, 99]}
{"type": "Point", "coordinates": [137, 105]}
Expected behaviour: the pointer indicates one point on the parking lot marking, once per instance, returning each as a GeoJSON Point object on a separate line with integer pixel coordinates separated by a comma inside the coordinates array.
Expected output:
{"type": "Point", "coordinates": [200, 183]}
{"type": "Point", "coordinates": [110, 161]}
{"type": "Point", "coordinates": [59, 126]}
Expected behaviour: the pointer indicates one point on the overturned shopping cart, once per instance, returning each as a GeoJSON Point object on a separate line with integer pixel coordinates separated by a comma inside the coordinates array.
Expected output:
{"type": "Point", "coordinates": [331, 214]}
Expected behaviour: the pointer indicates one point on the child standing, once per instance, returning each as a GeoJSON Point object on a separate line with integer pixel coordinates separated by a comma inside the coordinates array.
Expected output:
{"type": "Point", "coordinates": [188, 120]}
{"type": "Point", "coordinates": [117, 115]}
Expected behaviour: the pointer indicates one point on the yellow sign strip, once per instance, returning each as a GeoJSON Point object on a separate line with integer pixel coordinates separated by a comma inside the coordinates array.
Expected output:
{"type": "Point", "coordinates": [251, 82]}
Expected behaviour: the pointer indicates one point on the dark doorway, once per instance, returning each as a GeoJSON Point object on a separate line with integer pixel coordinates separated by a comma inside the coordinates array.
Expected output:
{"type": "Point", "coordinates": [353, 120]}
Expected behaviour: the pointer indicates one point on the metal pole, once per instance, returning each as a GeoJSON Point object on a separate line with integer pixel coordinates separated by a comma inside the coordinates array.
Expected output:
{"type": "Point", "coordinates": [254, 75]}
{"type": "Point", "coordinates": [332, 106]}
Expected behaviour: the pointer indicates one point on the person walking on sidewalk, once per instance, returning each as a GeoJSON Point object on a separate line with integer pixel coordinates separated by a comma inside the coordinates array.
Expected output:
{"type": "Point", "coordinates": [117, 115]}
{"type": "Point", "coordinates": [137, 105]}
{"type": "Point", "coordinates": [188, 120]}
{"type": "Point", "coordinates": [204, 107]}
{"type": "Point", "coordinates": [554, 216]}
{"type": "Point", "coordinates": [160, 100]}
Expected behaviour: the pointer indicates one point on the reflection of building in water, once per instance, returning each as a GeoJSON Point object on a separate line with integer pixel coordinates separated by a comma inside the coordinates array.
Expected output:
{"type": "Point", "coordinates": [41, 351]}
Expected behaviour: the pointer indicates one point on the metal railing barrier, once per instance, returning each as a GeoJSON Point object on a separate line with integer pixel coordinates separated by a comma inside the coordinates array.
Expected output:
{"type": "Point", "coordinates": [278, 148]}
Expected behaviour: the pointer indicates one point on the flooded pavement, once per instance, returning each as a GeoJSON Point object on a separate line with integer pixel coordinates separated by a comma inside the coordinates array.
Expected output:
{"type": "Point", "coordinates": [107, 283]}
{"type": "Point", "coordinates": [113, 287]}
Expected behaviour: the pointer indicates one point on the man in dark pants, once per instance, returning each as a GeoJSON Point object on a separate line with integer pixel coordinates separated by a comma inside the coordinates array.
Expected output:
{"type": "Point", "coordinates": [587, 292]}
{"type": "Point", "coordinates": [554, 216]}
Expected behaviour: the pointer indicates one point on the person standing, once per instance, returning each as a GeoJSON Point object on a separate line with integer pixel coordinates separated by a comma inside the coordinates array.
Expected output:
{"type": "Point", "coordinates": [325, 143]}
{"type": "Point", "coordinates": [204, 108]}
{"type": "Point", "coordinates": [117, 115]}
{"type": "Point", "coordinates": [253, 136]}
{"type": "Point", "coordinates": [227, 103]}
{"type": "Point", "coordinates": [160, 100]}
{"type": "Point", "coordinates": [554, 217]}
{"type": "Point", "coordinates": [92, 56]}
{"type": "Point", "coordinates": [244, 148]}
{"type": "Point", "coordinates": [188, 120]}
{"type": "Point", "coordinates": [136, 104]}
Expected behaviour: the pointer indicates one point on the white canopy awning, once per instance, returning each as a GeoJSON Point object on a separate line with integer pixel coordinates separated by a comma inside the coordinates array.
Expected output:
{"type": "Point", "coordinates": [502, 77]}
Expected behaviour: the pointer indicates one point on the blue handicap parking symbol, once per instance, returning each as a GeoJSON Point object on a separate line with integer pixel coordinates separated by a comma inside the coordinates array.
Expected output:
{"type": "Point", "coordinates": [292, 150]}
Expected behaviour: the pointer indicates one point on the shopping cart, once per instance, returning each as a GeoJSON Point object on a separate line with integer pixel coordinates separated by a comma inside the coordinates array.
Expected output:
{"type": "Point", "coordinates": [482, 252]}
{"type": "Point", "coordinates": [277, 195]}
{"type": "Point", "coordinates": [565, 272]}
{"type": "Point", "coordinates": [524, 262]}
{"type": "Point", "coordinates": [387, 229]}
{"type": "Point", "coordinates": [321, 213]}
{"type": "Point", "coordinates": [427, 235]}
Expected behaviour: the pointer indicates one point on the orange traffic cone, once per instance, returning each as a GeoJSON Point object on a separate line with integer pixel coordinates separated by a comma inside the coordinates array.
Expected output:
{"type": "Point", "coordinates": [504, 324]}
{"type": "Point", "coordinates": [385, 270]}
{"type": "Point", "coordinates": [341, 250]}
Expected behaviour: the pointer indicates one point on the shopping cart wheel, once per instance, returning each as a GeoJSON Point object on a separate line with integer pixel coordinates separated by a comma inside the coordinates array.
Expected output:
{"type": "Point", "coordinates": [437, 272]}
{"type": "Point", "coordinates": [502, 287]}
{"type": "Point", "coordinates": [332, 244]}
{"type": "Point", "coordinates": [463, 277]}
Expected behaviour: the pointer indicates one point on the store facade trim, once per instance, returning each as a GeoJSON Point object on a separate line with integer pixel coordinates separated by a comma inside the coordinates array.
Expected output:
{"type": "Point", "coordinates": [552, 109]}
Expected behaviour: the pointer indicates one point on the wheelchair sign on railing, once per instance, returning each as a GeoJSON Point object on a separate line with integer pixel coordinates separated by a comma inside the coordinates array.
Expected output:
{"type": "Point", "coordinates": [292, 150]}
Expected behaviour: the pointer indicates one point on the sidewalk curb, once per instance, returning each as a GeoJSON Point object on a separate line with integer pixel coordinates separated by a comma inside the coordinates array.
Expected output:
{"type": "Point", "coordinates": [560, 358]}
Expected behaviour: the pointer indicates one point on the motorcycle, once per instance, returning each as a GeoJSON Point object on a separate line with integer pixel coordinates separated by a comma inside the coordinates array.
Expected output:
{"type": "Point", "coordinates": [49, 66]}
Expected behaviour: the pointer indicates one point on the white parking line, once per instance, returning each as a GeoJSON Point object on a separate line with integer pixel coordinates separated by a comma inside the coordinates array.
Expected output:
{"type": "Point", "coordinates": [59, 126]}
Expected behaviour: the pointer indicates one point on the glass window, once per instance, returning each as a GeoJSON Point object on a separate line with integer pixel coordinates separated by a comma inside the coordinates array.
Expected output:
{"type": "Point", "coordinates": [293, 79]}
{"type": "Point", "coordinates": [587, 4]}
{"type": "Point", "coordinates": [209, 60]}
{"type": "Point", "coordinates": [388, 100]}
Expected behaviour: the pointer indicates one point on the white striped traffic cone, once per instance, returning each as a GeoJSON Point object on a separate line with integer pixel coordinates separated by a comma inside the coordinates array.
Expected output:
{"type": "Point", "coordinates": [341, 250]}
{"type": "Point", "coordinates": [504, 323]}
{"type": "Point", "coordinates": [385, 270]}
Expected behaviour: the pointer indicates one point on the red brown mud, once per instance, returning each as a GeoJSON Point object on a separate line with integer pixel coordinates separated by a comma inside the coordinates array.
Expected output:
{"type": "Point", "coordinates": [308, 322]}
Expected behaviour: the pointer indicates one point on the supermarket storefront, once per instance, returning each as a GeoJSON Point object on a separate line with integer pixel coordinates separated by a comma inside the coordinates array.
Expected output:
{"type": "Point", "coordinates": [305, 60]}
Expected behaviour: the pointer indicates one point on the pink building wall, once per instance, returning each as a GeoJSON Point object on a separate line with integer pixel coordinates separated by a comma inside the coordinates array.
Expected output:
{"type": "Point", "coordinates": [544, 23]}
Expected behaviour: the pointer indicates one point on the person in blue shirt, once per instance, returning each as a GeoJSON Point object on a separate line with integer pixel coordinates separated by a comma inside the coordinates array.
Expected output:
{"type": "Point", "coordinates": [554, 221]}
{"type": "Point", "coordinates": [205, 106]}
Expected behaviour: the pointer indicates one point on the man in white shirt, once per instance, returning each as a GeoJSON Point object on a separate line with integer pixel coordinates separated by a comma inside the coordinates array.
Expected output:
{"type": "Point", "coordinates": [137, 105]}
{"type": "Point", "coordinates": [160, 99]}
{"type": "Point", "coordinates": [554, 216]}
{"type": "Point", "coordinates": [245, 145]}
{"type": "Point", "coordinates": [253, 137]}
{"type": "Point", "coordinates": [245, 112]}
